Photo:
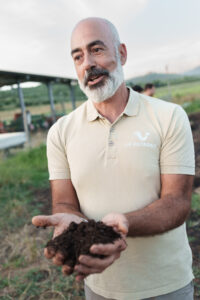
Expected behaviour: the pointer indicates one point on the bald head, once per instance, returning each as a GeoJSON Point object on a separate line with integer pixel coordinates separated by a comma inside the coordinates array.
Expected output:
{"type": "Point", "coordinates": [98, 57]}
{"type": "Point", "coordinates": [106, 26]}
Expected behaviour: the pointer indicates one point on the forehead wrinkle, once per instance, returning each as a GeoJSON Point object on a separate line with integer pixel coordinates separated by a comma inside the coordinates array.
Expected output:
{"type": "Point", "coordinates": [88, 46]}
{"type": "Point", "coordinates": [97, 42]}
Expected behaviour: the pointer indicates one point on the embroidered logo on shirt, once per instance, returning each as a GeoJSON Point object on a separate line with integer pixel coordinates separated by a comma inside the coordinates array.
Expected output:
{"type": "Point", "coordinates": [140, 137]}
{"type": "Point", "coordinates": [142, 141]}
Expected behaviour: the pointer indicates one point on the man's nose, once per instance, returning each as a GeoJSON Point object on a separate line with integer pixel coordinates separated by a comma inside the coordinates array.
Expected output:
{"type": "Point", "coordinates": [89, 61]}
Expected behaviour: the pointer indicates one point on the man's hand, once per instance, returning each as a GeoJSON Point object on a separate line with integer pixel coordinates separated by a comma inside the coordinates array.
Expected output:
{"type": "Point", "coordinates": [60, 222]}
{"type": "Point", "coordinates": [90, 265]}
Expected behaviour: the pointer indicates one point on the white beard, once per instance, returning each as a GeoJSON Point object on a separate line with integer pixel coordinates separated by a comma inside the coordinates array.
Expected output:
{"type": "Point", "coordinates": [112, 83]}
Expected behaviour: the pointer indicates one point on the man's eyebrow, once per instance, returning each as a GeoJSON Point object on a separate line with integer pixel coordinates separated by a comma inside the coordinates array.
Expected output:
{"type": "Point", "coordinates": [97, 42]}
{"type": "Point", "coordinates": [75, 50]}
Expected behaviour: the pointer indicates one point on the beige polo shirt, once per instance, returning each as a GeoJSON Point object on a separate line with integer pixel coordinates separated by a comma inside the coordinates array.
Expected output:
{"type": "Point", "coordinates": [116, 168]}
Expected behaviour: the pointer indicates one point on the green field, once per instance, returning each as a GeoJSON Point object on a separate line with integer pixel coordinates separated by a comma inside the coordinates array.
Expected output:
{"type": "Point", "coordinates": [185, 94]}
{"type": "Point", "coordinates": [180, 93]}
{"type": "Point", "coordinates": [24, 192]}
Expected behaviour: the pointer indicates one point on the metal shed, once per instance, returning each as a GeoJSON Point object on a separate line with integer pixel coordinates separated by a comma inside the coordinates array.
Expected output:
{"type": "Point", "coordinates": [10, 78]}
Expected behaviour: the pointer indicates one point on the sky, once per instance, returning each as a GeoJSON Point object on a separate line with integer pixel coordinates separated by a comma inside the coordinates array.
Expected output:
{"type": "Point", "coordinates": [35, 34]}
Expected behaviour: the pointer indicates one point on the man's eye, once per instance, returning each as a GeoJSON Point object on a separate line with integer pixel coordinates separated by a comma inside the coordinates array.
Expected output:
{"type": "Point", "coordinates": [77, 57]}
{"type": "Point", "coordinates": [96, 50]}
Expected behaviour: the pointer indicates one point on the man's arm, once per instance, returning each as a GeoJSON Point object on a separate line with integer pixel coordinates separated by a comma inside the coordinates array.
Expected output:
{"type": "Point", "coordinates": [64, 197]}
{"type": "Point", "coordinates": [166, 213]}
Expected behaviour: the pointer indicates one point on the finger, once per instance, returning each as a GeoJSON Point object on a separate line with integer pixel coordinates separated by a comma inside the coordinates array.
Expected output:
{"type": "Point", "coordinates": [123, 228]}
{"type": "Point", "coordinates": [83, 270]}
{"type": "Point", "coordinates": [80, 277]}
{"type": "Point", "coordinates": [44, 221]}
{"type": "Point", "coordinates": [58, 231]}
{"type": "Point", "coordinates": [108, 249]}
{"type": "Point", "coordinates": [49, 252]}
{"type": "Point", "coordinates": [118, 221]}
{"type": "Point", "coordinates": [58, 259]}
{"type": "Point", "coordinates": [95, 265]}
{"type": "Point", "coordinates": [67, 270]}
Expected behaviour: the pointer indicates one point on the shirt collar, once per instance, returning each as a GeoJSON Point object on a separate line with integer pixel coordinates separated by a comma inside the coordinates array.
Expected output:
{"type": "Point", "coordinates": [132, 106]}
{"type": "Point", "coordinates": [130, 110]}
{"type": "Point", "coordinates": [92, 113]}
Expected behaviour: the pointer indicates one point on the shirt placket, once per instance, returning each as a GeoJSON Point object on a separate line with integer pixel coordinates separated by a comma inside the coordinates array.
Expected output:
{"type": "Point", "coordinates": [112, 149]}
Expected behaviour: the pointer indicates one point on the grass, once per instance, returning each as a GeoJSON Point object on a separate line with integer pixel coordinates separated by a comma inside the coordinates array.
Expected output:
{"type": "Point", "coordinates": [185, 94]}
{"type": "Point", "coordinates": [192, 107]}
{"type": "Point", "coordinates": [20, 175]}
{"type": "Point", "coordinates": [180, 93]}
{"type": "Point", "coordinates": [196, 203]}
{"type": "Point", "coordinates": [43, 109]}
{"type": "Point", "coordinates": [24, 192]}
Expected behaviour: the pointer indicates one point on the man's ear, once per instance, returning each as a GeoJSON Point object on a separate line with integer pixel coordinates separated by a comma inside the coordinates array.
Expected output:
{"type": "Point", "coordinates": [123, 53]}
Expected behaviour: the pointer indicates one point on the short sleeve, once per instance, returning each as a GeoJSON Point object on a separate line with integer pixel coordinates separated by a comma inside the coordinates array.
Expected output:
{"type": "Point", "coordinates": [56, 155]}
{"type": "Point", "coordinates": [177, 151]}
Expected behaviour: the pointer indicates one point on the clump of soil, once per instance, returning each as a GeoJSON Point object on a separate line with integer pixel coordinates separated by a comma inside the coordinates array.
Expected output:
{"type": "Point", "coordinates": [78, 239]}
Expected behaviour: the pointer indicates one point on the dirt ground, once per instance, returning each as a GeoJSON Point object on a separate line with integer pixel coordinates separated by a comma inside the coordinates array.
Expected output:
{"type": "Point", "coordinates": [193, 226]}
{"type": "Point", "coordinates": [195, 125]}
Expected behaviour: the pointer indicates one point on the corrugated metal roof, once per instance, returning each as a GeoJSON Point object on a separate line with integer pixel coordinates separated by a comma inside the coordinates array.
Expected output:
{"type": "Point", "coordinates": [9, 78]}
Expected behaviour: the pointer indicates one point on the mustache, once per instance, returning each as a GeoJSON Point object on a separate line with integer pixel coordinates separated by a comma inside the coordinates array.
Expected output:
{"type": "Point", "coordinates": [94, 72]}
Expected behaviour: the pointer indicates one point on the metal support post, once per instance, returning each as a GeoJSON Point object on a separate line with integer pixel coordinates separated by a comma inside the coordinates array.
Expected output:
{"type": "Point", "coordinates": [23, 108]}
{"type": "Point", "coordinates": [72, 96]}
{"type": "Point", "coordinates": [51, 99]}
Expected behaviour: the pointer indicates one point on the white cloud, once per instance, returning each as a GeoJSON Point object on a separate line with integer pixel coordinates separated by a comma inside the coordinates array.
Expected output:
{"type": "Point", "coordinates": [35, 36]}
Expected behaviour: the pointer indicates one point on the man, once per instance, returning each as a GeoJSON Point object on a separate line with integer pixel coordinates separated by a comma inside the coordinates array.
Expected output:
{"type": "Point", "coordinates": [129, 160]}
{"type": "Point", "coordinates": [149, 90]}
{"type": "Point", "coordinates": [137, 88]}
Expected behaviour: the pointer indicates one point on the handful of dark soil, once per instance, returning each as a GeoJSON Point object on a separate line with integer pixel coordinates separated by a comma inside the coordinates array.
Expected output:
{"type": "Point", "coordinates": [78, 239]}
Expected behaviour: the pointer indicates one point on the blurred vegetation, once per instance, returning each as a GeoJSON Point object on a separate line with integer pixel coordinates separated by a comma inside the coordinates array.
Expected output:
{"type": "Point", "coordinates": [20, 175]}
{"type": "Point", "coordinates": [184, 89]}
{"type": "Point", "coordinates": [24, 272]}
{"type": "Point", "coordinates": [38, 95]}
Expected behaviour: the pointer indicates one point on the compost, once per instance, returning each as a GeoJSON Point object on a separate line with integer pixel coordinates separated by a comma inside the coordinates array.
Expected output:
{"type": "Point", "coordinates": [78, 239]}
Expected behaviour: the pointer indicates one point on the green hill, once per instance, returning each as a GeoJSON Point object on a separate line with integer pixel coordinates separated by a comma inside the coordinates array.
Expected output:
{"type": "Point", "coordinates": [162, 79]}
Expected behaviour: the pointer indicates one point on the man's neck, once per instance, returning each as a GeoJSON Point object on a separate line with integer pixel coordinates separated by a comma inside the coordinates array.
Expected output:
{"type": "Point", "coordinates": [114, 106]}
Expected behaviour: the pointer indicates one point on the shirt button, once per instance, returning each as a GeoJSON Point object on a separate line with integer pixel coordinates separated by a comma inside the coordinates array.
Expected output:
{"type": "Point", "coordinates": [111, 143]}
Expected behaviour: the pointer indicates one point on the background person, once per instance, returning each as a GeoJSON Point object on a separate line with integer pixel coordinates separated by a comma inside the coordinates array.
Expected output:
{"type": "Point", "coordinates": [137, 88]}
{"type": "Point", "coordinates": [149, 89]}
